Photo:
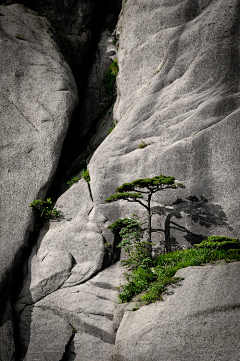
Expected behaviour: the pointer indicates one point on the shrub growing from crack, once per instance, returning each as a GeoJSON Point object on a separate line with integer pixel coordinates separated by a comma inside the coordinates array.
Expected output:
{"type": "Point", "coordinates": [109, 78]}
{"type": "Point", "coordinates": [45, 209]}
{"type": "Point", "coordinates": [73, 180]}
{"type": "Point", "coordinates": [85, 175]}
{"type": "Point", "coordinates": [152, 281]}
{"type": "Point", "coordinates": [143, 144]}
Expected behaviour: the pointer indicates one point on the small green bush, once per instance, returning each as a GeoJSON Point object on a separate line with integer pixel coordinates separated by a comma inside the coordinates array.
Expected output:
{"type": "Point", "coordinates": [74, 179]}
{"type": "Point", "coordinates": [142, 144]}
{"type": "Point", "coordinates": [74, 330]}
{"type": "Point", "coordinates": [85, 174]}
{"type": "Point", "coordinates": [45, 209]}
{"type": "Point", "coordinates": [38, 14]}
{"type": "Point", "coordinates": [151, 282]}
{"type": "Point", "coordinates": [114, 125]}
{"type": "Point", "coordinates": [217, 242]}
{"type": "Point", "coordinates": [109, 78]}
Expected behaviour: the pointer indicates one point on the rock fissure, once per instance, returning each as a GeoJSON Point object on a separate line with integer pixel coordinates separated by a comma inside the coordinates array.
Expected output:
{"type": "Point", "coordinates": [199, 54]}
{"type": "Point", "coordinates": [68, 349]}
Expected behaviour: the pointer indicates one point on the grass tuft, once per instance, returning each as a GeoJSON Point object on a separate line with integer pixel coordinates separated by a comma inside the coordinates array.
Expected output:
{"type": "Point", "coordinates": [152, 282]}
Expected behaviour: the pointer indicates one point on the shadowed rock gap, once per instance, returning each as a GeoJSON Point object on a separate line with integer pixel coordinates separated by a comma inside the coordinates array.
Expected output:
{"type": "Point", "coordinates": [78, 136]}
{"type": "Point", "coordinates": [20, 268]}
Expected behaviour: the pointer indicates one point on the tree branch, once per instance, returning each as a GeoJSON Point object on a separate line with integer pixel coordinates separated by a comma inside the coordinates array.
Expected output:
{"type": "Point", "coordinates": [135, 200]}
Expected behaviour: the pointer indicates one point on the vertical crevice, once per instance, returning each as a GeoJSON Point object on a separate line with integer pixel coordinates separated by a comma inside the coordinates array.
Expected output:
{"type": "Point", "coordinates": [69, 354]}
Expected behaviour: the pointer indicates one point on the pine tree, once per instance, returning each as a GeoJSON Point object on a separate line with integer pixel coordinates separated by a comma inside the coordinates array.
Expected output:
{"type": "Point", "coordinates": [141, 191]}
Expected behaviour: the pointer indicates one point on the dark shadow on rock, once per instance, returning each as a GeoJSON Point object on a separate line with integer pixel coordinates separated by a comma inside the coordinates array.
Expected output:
{"type": "Point", "coordinates": [22, 279]}
{"type": "Point", "coordinates": [199, 210]}
{"type": "Point", "coordinates": [69, 354]}
{"type": "Point", "coordinates": [112, 252]}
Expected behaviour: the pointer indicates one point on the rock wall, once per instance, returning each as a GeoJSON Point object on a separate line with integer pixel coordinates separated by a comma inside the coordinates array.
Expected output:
{"type": "Point", "coordinates": [38, 97]}
{"type": "Point", "coordinates": [197, 320]}
{"type": "Point", "coordinates": [178, 92]}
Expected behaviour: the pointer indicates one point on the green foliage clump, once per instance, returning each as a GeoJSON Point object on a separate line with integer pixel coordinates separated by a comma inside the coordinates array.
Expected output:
{"type": "Point", "coordinates": [114, 125]}
{"type": "Point", "coordinates": [74, 330]}
{"type": "Point", "coordinates": [151, 282]}
{"type": "Point", "coordinates": [45, 209]}
{"type": "Point", "coordinates": [112, 25]}
{"type": "Point", "coordinates": [125, 195]}
{"type": "Point", "coordinates": [38, 14]}
{"type": "Point", "coordinates": [142, 144]}
{"type": "Point", "coordinates": [215, 242]}
{"type": "Point", "coordinates": [137, 250]}
{"type": "Point", "coordinates": [146, 182]}
{"type": "Point", "coordinates": [180, 185]}
{"type": "Point", "coordinates": [85, 174]}
{"type": "Point", "coordinates": [109, 78]}
{"type": "Point", "coordinates": [73, 180]}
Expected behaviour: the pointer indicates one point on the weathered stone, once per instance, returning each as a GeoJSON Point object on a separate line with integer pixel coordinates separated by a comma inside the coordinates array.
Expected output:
{"type": "Point", "coordinates": [70, 252]}
{"type": "Point", "coordinates": [38, 97]}
{"type": "Point", "coordinates": [89, 308]}
{"type": "Point", "coordinates": [51, 331]}
{"type": "Point", "coordinates": [68, 16]}
{"type": "Point", "coordinates": [177, 91]}
{"type": "Point", "coordinates": [197, 320]}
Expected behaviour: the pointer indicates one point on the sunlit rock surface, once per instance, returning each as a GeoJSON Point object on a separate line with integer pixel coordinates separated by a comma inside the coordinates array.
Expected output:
{"type": "Point", "coordinates": [178, 92]}
{"type": "Point", "coordinates": [38, 96]}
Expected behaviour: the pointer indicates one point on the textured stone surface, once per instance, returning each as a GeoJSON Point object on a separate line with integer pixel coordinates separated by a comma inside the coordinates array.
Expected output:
{"type": "Point", "coordinates": [178, 92]}
{"type": "Point", "coordinates": [197, 320]}
{"type": "Point", "coordinates": [38, 96]}
{"type": "Point", "coordinates": [51, 331]}
{"type": "Point", "coordinates": [68, 16]}
{"type": "Point", "coordinates": [70, 252]}
{"type": "Point", "coordinates": [89, 308]}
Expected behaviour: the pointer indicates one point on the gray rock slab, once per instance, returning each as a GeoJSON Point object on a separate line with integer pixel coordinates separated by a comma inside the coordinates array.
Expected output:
{"type": "Point", "coordinates": [43, 335]}
{"type": "Point", "coordinates": [198, 319]}
{"type": "Point", "coordinates": [177, 92]}
{"type": "Point", "coordinates": [7, 346]}
{"type": "Point", "coordinates": [37, 99]}
{"type": "Point", "coordinates": [88, 307]}
{"type": "Point", "coordinates": [38, 96]}
{"type": "Point", "coordinates": [68, 253]}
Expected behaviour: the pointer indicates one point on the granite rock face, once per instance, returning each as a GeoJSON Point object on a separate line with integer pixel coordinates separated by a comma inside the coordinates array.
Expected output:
{"type": "Point", "coordinates": [177, 92]}
{"type": "Point", "coordinates": [37, 100]}
{"type": "Point", "coordinates": [87, 309]}
{"type": "Point", "coordinates": [197, 320]}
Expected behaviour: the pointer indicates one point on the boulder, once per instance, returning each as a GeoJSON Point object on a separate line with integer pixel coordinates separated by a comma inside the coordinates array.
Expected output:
{"type": "Point", "coordinates": [178, 93]}
{"type": "Point", "coordinates": [37, 100]}
{"type": "Point", "coordinates": [88, 309]}
{"type": "Point", "coordinates": [197, 320]}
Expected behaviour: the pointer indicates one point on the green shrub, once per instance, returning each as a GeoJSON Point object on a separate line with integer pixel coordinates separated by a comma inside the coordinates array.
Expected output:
{"type": "Point", "coordinates": [74, 179]}
{"type": "Point", "coordinates": [142, 144]}
{"type": "Point", "coordinates": [215, 242]}
{"type": "Point", "coordinates": [109, 78]}
{"type": "Point", "coordinates": [85, 175]}
{"type": "Point", "coordinates": [112, 25]}
{"type": "Point", "coordinates": [74, 330]}
{"type": "Point", "coordinates": [114, 125]}
{"type": "Point", "coordinates": [161, 272]}
{"type": "Point", "coordinates": [45, 209]}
